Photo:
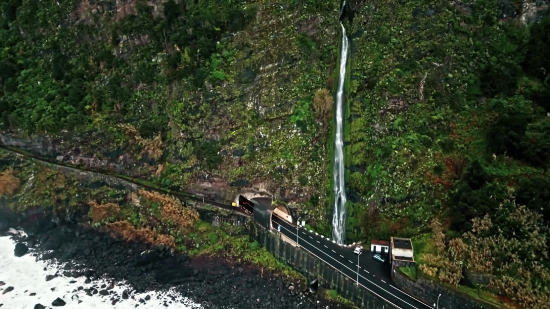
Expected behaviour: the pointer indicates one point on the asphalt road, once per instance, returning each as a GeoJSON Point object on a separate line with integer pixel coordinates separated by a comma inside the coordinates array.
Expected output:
{"type": "Point", "coordinates": [372, 274]}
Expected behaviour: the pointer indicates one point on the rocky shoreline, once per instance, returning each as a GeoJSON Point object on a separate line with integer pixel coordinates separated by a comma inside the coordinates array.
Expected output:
{"type": "Point", "coordinates": [209, 281]}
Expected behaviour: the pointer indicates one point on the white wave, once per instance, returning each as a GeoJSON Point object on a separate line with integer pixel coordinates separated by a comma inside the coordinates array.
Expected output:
{"type": "Point", "coordinates": [26, 276]}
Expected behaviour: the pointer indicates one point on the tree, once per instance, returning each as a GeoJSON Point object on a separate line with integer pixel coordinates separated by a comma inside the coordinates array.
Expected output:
{"type": "Point", "coordinates": [506, 134]}
{"type": "Point", "coordinates": [535, 194]}
{"type": "Point", "coordinates": [516, 259]}
{"type": "Point", "coordinates": [536, 143]}
{"type": "Point", "coordinates": [445, 265]}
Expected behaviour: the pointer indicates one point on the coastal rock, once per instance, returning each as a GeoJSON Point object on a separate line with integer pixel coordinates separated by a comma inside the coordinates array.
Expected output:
{"type": "Point", "coordinates": [8, 289]}
{"type": "Point", "coordinates": [4, 225]}
{"type": "Point", "coordinates": [20, 249]}
{"type": "Point", "coordinates": [213, 282]}
{"type": "Point", "coordinates": [58, 302]}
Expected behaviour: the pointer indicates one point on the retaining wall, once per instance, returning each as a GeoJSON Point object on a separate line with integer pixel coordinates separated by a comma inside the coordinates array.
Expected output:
{"type": "Point", "coordinates": [309, 265]}
{"type": "Point", "coordinates": [427, 291]}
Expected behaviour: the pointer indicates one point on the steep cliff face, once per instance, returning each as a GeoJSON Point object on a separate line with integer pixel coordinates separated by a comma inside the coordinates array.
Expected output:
{"type": "Point", "coordinates": [428, 82]}
{"type": "Point", "coordinates": [206, 97]}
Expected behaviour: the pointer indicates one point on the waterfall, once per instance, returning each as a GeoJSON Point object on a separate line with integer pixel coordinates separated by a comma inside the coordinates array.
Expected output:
{"type": "Point", "coordinates": [339, 211]}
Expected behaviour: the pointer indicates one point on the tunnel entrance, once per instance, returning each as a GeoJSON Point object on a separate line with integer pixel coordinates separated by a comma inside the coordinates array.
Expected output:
{"type": "Point", "coordinates": [283, 213]}
{"type": "Point", "coordinates": [264, 211]}
{"type": "Point", "coordinates": [246, 205]}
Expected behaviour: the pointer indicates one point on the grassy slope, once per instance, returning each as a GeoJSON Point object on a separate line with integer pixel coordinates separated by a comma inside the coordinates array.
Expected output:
{"type": "Point", "coordinates": [252, 74]}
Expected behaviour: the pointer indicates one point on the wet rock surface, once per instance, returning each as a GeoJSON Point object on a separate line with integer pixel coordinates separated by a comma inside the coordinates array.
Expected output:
{"type": "Point", "coordinates": [211, 282]}
{"type": "Point", "coordinates": [20, 249]}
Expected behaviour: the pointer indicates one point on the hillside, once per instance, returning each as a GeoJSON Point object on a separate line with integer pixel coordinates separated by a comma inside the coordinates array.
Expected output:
{"type": "Point", "coordinates": [448, 127]}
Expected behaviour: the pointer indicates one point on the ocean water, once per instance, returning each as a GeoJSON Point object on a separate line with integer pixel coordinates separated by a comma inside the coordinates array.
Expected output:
{"type": "Point", "coordinates": [26, 276]}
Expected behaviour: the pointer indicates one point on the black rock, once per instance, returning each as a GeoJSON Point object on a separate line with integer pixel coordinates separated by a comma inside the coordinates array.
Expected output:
{"type": "Point", "coordinates": [53, 243]}
{"type": "Point", "coordinates": [39, 306]}
{"type": "Point", "coordinates": [4, 223]}
{"type": "Point", "coordinates": [48, 256]}
{"type": "Point", "coordinates": [87, 281]}
{"type": "Point", "coordinates": [125, 294]}
{"type": "Point", "coordinates": [148, 297]}
{"type": "Point", "coordinates": [20, 249]}
{"type": "Point", "coordinates": [8, 289]}
{"type": "Point", "coordinates": [146, 257]}
{"type": "Point", "coordinates": [134, 272]}
{"type": "Point", "coordinates": [174, 272]}
{"type": "Point", "coordinates": [58, 302]}
{"type": "Point", "coordinates": [49, 277]}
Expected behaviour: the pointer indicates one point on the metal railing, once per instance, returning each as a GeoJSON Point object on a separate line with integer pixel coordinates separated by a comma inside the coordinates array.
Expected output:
{"type": "Point", "coordinates": [342, 264]}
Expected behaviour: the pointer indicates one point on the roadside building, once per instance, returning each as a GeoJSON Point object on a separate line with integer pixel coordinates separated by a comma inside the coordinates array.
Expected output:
{"type": "Point", "coordinates": [401, 250]}
{"type": "Point", "coordinates": [379, 246]}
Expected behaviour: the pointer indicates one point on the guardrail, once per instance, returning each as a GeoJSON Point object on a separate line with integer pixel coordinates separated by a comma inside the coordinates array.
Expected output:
{"type": "Point", "coordinates": [357, 274]}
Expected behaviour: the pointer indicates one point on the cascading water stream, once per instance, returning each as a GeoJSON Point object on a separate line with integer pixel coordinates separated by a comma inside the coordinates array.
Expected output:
{"type": "Point", "coordinates": [339, 211]}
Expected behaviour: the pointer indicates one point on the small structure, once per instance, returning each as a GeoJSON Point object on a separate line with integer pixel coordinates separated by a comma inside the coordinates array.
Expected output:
{"type": "Point", "coordinates": [401, 249]}
{"type": "Point", "coordinates": [379, 246]}
{"type": "Point", "coordinates": [264, 210]}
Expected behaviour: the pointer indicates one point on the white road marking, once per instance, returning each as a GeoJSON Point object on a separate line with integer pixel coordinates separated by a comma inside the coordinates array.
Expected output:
{"type": "Point", "coordinates": [342, 256]}
{"type": "Point", "coordinates": [383, 281]}
{"type": "Point", "coordinates": [310, 237]}
{"type": "Point", "coordinates": [350, 261]}
{"type": "Point", "coordinates": [318, 242]}
{"type": "Point", "coordinates": [367, 271]}
{"type": "Point", "coordinates": [371, 282]}
{"type": "Point", "coordinates": [325, 246]}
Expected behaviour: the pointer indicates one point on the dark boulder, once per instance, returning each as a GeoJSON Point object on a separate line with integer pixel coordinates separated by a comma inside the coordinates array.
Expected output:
{"type": "Point", "coordinates": [8, 289]}
{"type": "Point", "coordinates": [173, 272]}
{"type": "Point", "coordinates": [20, 249]}
{"type": "Point", "coordinates": [146, 257]}
{"type": "Point", "coordinates": [4, 224]}
{"type": "Point", "coordinates": [39, 306]}
{"type": "Point", "coordinates": [58, 302]}
{"type": "Point", "coordinates": [53, 243]}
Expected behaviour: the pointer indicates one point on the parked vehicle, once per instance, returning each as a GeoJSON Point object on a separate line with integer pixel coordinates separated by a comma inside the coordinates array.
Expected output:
{"type": "Point", "coordinates": [379, 258]}
{"type": "Point", "coordinates": [358, 250]}
{"type": "Point", "coordinates": [234, 204]}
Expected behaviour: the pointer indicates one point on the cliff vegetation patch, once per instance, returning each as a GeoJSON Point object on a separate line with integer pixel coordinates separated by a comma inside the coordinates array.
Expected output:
{"type": "Point", "coordinates": [9, 184]}
{"type": "Point", "coordinates": [449, 121]}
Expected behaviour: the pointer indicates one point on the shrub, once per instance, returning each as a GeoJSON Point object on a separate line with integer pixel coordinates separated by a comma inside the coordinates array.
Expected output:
{"type": "Point", "coordinates": [128, 232]}
{"type": "Point", "coordinates": [99, 212]}
{"type": "Point", "coordinates": [536, 144]}
{"type": "Point", "coordinates": [172, 210]}
{"type": "Point", "coordinates": [254, 246]}
{"type": "Point", "coordinates": [9, 184]}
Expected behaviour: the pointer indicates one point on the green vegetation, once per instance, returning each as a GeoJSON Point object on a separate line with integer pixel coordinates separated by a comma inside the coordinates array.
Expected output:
{"type": "Point", "coordinates": [26, 185]}
{"type": "Point", "coordinates": [409, 271]}
{"type": "Point", "coordinates": [334, 296]}
{"type": "Point", "coordinates": [146, 216]}
{"type": "Point", "coordinates": [485, 296]}
{"type": "Point", "coordinates": [157, 81]}
{"type": "Point", "coordinates": [449, 120]}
